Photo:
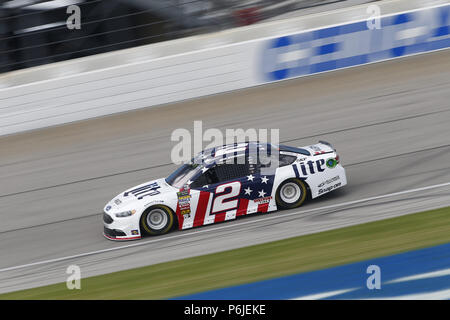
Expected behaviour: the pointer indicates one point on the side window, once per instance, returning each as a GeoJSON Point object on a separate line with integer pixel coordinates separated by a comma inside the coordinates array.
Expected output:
{"type": "Point", "coordinates": [200, 181]}
{"type": "Point", "coordinates": [207, 178]}
{"type": "Point", "coordinates": [286, 159]}
{"type": "Point", "coordinates": [227, 172]}
{"type": "Point", "coordinates": [266, 161]}
{"type": "Point", "coordinates": [280, 161]}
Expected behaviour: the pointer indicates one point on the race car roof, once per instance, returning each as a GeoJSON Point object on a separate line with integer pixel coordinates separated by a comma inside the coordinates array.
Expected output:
{"type": "Point", "coordinates": [234, 150]}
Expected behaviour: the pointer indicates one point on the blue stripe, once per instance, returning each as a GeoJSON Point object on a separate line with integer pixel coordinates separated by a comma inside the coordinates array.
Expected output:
{"type": "Point", "coordinates": [441, 31]}
{"type": "Point", "coordinates": [352, 276]}
{"type": "Point", "coordinates": [353, 27]}
{"type": "Point", "coordinates": [328, 48]}
{"type": "Point", "coordinates": [138, 189]}
{"type": "Point", "coordinates": [324, 66]}
{"type": "Point", "coordinates": [327, 32]}
{"type": "Point", "coordinates": [297, 175]}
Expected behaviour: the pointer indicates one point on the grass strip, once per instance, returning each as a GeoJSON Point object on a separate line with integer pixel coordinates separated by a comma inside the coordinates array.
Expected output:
{"type": "Point", "coordinates": [259, 262]}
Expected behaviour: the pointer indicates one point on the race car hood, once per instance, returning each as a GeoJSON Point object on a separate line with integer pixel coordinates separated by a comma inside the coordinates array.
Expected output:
{"type": "Point", "coordinates": [145, 191]}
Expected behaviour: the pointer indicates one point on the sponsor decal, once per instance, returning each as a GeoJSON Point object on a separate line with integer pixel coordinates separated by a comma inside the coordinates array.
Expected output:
{"type": "Point", "coordinates": [108, 208]}
{"type": "Point", "coordinates": [329, 181]}
{"type": "Point", "coordinates": [331, 163]}
{"type": "Point", "coordinates": [134, 232]}
{"type": "Point", "coordinates": [328, 189]}
{"type": "Point", "coordinates": [184, 200]}
{"type": "Point", "coordinates": [147, 190]}
{"type": "Point", "coordinates": [117, 201]}
{"type": "Point", "coordinates": [311, 167]}
{"type": "Point", "coordinates": [263, 200]}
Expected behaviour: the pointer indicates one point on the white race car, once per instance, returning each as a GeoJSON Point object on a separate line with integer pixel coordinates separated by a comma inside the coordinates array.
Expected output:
{"type": "Point", "coordinates": [222, 184]}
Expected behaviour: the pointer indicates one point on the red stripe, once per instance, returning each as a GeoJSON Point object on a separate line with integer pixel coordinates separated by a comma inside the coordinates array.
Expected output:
{"type": "Point", "coordinates": [242, 209]}
{"type": "Point", "coordinates": [219, 217]}
{"type": "Point", "coordinates": [130, 238]}
{"type": "Point", "coordinates": [180, 217]}
{"type": "Point", "coordinates": [201, 208]}
{"type": "Point", "coordinates": [263, 207]}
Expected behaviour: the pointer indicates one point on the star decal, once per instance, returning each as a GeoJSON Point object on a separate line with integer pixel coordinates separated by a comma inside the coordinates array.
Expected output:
{"type": "Point", "coordinates": [248, 191]}
{"type": "Point", "coordinates": [261, 193]}
{"type": "Point", "coordinates": [188, 182]}
{"type": "Point", "coordinates": [204, 169]}
{"type": "Point", "coordinates": [250, 178]}
{"type": "Point", "coordinates": [264, 179]}
{"type": "Point", "coordinates": [205, 186]}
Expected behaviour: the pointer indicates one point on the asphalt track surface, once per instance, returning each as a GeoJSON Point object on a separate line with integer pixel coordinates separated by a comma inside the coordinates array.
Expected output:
{"type": "Point", "coordinates": [389, 122]}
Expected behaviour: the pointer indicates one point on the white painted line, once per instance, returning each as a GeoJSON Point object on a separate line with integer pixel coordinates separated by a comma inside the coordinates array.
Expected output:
{"type": "Point", "coordinates": [434, 274]}
{"type": "Point", "coordinates": [436, 295]}
{"type": "Point", "coordinates": [183, 235]}
{"type": "Point", "coordinates": [324, 295]}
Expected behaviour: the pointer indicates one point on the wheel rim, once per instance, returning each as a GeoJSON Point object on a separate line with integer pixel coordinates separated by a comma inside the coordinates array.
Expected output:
{"type": "Point", "coordinates": [157, 219]}
{"type": "Point", "coordinates": [290, 192]}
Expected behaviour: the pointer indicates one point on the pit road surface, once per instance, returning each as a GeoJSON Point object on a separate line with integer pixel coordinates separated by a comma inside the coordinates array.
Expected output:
{"type": "Point", "coordinates": [389, 122]}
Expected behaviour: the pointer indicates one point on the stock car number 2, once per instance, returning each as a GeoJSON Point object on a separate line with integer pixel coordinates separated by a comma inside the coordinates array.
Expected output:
{"type": "Point", "coordinates": [224, 194]}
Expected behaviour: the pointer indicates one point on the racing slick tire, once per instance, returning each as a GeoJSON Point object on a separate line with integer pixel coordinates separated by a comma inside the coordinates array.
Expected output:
{"type": "Point", "coordinates": [157, 220]}
{"type": "Point", "coordinates": [291, 194]}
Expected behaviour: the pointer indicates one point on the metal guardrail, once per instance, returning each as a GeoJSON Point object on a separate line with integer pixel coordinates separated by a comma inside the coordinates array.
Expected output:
{"type": "Point", "coordinates": [209, 64]}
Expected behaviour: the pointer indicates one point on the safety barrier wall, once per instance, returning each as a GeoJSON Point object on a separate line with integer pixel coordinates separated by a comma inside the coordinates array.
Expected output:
{"type": "Point", "coordinates": [220, 68]}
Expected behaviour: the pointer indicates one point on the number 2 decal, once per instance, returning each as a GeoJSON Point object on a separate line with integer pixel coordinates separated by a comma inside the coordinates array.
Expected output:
{"type": "Point", "coordinates": [223, 194]}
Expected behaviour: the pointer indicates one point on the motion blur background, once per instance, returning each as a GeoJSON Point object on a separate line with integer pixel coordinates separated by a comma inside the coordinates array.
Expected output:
{"type": "Point", "coordinates": [86, 113]}
{"type": "Point", "coordinates": [34, 32]}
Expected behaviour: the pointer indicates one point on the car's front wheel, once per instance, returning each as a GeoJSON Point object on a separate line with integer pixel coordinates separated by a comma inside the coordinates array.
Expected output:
{"type": "Point", "coordinates": [291, 194]}
{"type": "Point", "coordinates": [157, 220]}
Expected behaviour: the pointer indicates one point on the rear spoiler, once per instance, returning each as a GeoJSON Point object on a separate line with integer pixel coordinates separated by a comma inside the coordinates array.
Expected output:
{"type": "Point", "coordinates": [327, 144]}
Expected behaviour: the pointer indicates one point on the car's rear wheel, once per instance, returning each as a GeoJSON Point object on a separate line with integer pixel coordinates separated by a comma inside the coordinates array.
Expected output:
{"type": "Point", "coordinates": [157, 220]}
{"type": "Point", "coordinates": [291, 194]}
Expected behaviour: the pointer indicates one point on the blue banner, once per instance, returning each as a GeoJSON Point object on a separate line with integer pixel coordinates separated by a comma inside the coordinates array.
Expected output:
{"type": "Point", "coordinates": [356, 43]}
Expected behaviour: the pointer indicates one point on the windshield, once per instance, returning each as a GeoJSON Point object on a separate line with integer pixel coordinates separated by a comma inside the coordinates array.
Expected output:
{"type": "Point", "coordinates": [183, 175]}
